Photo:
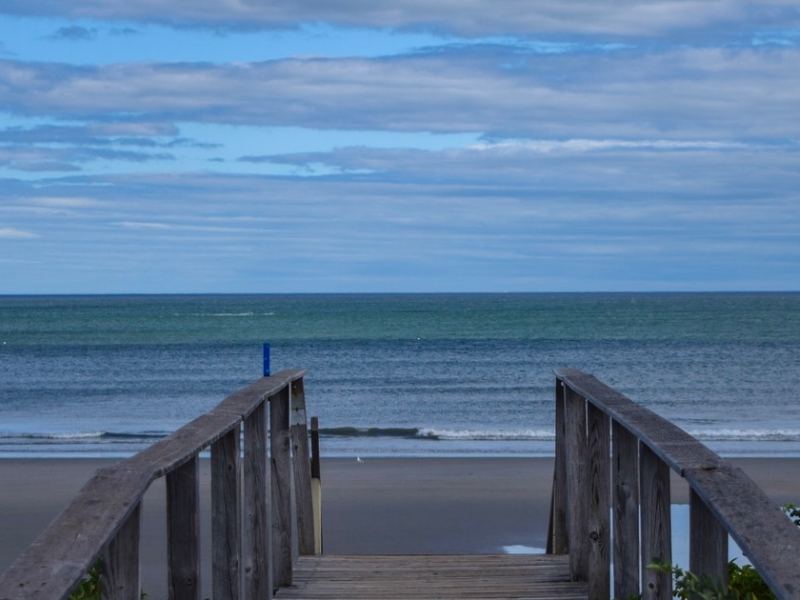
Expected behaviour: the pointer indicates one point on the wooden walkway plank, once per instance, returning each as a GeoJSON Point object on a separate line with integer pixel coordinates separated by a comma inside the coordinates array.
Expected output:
{"type": "Point", "coordinates": [400, 577]}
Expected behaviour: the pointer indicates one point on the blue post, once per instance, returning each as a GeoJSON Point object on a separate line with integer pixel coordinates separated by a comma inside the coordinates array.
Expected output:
{"type": "Point", "coordinates": [266, 360]}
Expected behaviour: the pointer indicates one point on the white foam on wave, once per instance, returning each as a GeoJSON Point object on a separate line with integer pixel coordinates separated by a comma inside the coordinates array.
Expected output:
{"type": "Point", "coordinates": [488, 434]}
{"type": "Point", "coordinates": [746, 435]}
{"type": "Point", "coordinates": [54, 436]}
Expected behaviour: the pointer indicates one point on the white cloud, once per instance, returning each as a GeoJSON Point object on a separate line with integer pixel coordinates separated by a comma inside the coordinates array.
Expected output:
{"type": "Point", "coordinates": [8, 233]}
{"type": "Point", "coordinates": [688, 94]}
{"type": "Point", "coordinates": [65, 202]}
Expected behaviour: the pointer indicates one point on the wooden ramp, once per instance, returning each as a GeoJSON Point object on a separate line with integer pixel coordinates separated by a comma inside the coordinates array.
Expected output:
{"type": "Point", "coordinates": [388, 577]}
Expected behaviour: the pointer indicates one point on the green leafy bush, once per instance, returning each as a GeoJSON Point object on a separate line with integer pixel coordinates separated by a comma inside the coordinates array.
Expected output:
{"type": "Point", "coordinates": [89, 587]}
{"type": "Point", "coordinates": [744, 582]}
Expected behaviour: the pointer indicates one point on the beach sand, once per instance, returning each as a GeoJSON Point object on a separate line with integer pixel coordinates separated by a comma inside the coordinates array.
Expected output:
{"type": "Point", "coordinates": [424, 505]}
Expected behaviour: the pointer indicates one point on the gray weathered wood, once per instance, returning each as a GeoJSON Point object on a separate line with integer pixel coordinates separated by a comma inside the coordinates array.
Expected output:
{"type": "Point", "coordinates": [625, 493]}
{"type": "Point", "coordinates": [183, 531]}
{"type": "Point", "coordinates": [766, 536]}
{"type": "Point", "coordinates": [673, 445]}
{"type": "Point", "coordinates": [557, 538]}
{"type": "Point", "coordinates": [708, 542]}
{"type": "Point", "coordinates": [258, 552]}
{"type": "Point", "coordinates": [282, 505]}
{"type": "Point", "coordinates": [598, 507]}
{"type": "Point", "coordinates": [769, 540]}
{"type": "Point", "coordinates": [301, 463]}
{"type": "Point", "coordinates": [119, 565]}
{"type": "Point", "coordinates": [226, 541]}
{"type": "Point", "coordinates": [316, 485]}
{"type": "Point", "coordinates": [420, 577]}
{"type": "Point", "coordinates": [654, 487]}
{"type": "Point", "coordinates": [57, 560]}
{"type": "Point", "coordinates": [577, 488]}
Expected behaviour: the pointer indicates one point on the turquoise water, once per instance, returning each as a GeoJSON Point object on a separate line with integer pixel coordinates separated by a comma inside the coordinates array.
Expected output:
{"type": "Point", "coordinates": [438, 374]}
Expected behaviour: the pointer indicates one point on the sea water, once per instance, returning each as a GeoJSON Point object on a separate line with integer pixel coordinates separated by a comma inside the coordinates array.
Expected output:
{"type": "Point", "coordinates": [397, 375]}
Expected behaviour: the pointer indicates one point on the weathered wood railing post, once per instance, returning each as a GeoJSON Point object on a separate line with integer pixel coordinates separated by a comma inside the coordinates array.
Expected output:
{"type": "Point", "coordinates": [316, 485]}
{"type": "Point", "coordinates": [282, 506]}
{"type": "Point", "coordinates": [557, 537]}
{"type": "Point", "coordinates": [120, 561]}
{"type": "Point", "coordinates": [654, 488]}
{"type": "Point", "coordinates": [598, 508]}
{"type": "Point", "coordinates": [226, 540]}
{"type": "Point", "coordinates": [183, 531]}
{"type": "Point", "coordinates": [625, 486]}
{"type": "Point", "coordinates": [302, 470]}
{"type": "Point", "coordinates": [577, 491]}
{"type": "Point", "coordinates": [708, 542]}
{"type": "Point", "coordinates": [258, 553]}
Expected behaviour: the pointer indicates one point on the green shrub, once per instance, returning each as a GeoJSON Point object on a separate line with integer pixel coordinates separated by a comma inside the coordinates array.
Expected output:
{"type": "Point", "coordinates": [89, 587]}
{"type": "Point", "coordinates": [744, 583]}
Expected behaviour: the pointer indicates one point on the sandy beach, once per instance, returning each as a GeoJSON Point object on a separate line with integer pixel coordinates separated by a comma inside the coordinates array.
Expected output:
{"type": "Point", "coordinates": [427, 505]}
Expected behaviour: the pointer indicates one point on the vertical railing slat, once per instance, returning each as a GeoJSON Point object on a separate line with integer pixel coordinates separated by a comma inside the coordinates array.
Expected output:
{"type": "Point", "coordinates": [577, 490]}
{"type": "Point", "coordinates": [282, 521]}
{"type": "Point", "coordinates": [258, 550]}
{"type": "Point", "coordinates": [316, 485]}
{"type": "Point", "coordinates": [225, 516]}
{"type": "Point", "coordinates": [557, 537]}
{"type": "Point", "coordinates": [625, 486]}
{"type": "Point", "coordinates": [599, 503]}
{"type": "Point", "coordinates": [301, 463]}
{"type": "Point", "coordinates": [708, 542]}
{"type": "Point", "coordinates": [120, 561]}
{"type": "Point", "coordinates": [183, 535]}
{"type": "Point", "coordinates": [654, 488]}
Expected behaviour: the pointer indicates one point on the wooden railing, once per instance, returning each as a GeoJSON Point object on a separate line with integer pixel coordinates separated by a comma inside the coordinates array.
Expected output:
{"type": "Point", "coordinates": [262, 515]}
{"type": "Point", "coordinates": [613, 454]}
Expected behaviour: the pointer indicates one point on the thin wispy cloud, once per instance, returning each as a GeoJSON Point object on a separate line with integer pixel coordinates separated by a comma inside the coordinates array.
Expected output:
{"type": "Point", "coordinates": [467, 17]}
{"type": "Point", "coordinates": [9, 233]}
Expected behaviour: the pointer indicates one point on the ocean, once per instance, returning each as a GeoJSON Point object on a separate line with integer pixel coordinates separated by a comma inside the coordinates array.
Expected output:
{"type": "Point", "coordinates": [397, 374]}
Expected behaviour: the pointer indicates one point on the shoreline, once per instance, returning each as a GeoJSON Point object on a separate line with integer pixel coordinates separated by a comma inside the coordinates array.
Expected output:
{"type": "Point", "coordinates": [383, 505]}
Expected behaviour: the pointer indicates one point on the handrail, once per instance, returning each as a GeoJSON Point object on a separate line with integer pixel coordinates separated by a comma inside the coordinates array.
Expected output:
{"type": "Point", "coordinates": [102, 521]}
{"type": "Point", "coordinates": [612, 453]}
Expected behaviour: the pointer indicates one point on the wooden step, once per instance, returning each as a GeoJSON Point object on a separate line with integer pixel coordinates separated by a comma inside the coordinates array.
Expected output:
{"type": "Point", "coordinates": [421, 577]}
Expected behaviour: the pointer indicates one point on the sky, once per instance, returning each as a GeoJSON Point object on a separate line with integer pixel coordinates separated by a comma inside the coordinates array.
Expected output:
{"type": "Point", "coordinates": [254, 146]}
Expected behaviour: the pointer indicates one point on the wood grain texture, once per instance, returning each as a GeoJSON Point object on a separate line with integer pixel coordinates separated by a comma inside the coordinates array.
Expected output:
{"type": "Point", "coordinates": [708, 542]}
{"type": "Point", "coordinates": [768, 538]}
{"type": "Point", "coordinates": [557, 536]}
{"type": "Point", "coordinates": [183, 531]}
{"type": "Point", "coordinates": [226, 540]}
{"type": "Point", "coordinates": [598, 509]}
{"type": "Point", "coordinates": [625, 494]}
{"type": "Point", "coordinates": [57, 560]}
{"type": "Point", "coordinates": [281, 474]}
{"type": "Point", "coordinates": [510, 577]}
{"type": "Point", "coordinates": [258, 548]}
{"type": "Point", "coordinates": [301, 465]}
{"type": "Point", "coordinates": [577, 487]}
{"type": "Point", "coordinates": [119, 564]}
{"type": "Point", "coordinates": [672, 444]}
{"type": "Point", "coordinates": [654, 487]}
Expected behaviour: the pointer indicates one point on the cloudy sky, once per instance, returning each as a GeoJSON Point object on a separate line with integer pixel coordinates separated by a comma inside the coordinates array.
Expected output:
{"type": "Point", "coordinates": [159, 146]}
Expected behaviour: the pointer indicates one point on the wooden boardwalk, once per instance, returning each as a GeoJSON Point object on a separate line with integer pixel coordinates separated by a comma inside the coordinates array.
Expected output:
{"type": "Point", "coordinates": [610, 455]}
{"type": "Point", "coordinates": [421, 577]}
